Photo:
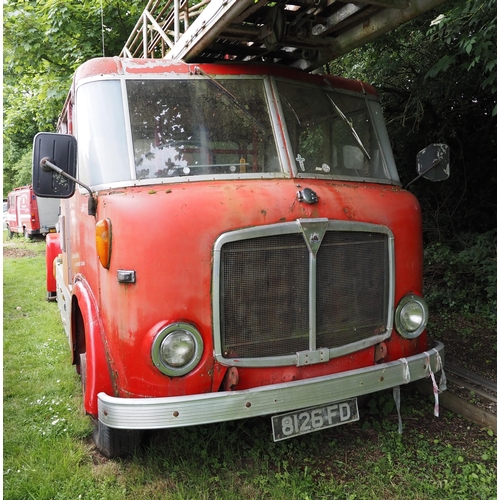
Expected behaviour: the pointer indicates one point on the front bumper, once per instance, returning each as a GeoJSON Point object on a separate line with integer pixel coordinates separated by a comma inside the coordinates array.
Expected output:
{"type": "Point", "coordinates": [198, 409]}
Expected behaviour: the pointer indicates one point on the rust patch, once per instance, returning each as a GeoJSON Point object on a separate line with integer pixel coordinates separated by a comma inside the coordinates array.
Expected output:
{"type": "Point", "coordinates": [351, 214]}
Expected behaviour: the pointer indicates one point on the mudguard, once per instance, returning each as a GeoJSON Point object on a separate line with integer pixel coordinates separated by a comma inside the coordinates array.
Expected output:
{"type": "Point", "coordinates": [53, 249]}
{"type": "Point", "coordinates": [97, 371]}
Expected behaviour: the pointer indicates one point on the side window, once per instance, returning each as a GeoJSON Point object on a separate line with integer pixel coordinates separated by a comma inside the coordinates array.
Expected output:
{"type": "Point", "coordinates": [102, 138]}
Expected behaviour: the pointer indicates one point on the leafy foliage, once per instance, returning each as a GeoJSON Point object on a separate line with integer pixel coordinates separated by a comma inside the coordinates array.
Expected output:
{"type": "Point", "coordinates": [44, 42]}
{"type": "Point", "coordinates": [469, 27]}
{"type": "Point", "coordinates": [462, 276]}
{"type": "Point", "coordinates": [423, 105]}
{"type": "Point", "coordinates": [22, 170]}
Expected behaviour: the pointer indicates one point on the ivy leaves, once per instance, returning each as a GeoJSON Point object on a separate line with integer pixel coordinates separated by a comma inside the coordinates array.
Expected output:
{"type": "Point", "coordinates": [469, 30]}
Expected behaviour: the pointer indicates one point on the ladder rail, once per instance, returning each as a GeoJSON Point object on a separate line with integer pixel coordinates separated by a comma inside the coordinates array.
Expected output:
{"type": "Point", "coordinates": [160, 23]}
{"type": "Point", "coordinates": [305, 34]}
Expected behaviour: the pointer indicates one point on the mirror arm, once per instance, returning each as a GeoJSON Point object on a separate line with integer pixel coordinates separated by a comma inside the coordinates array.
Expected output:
{"type": "Point", "coordinates": [436, 162]}
{"type": "Point", "coordinates": [46, 165]}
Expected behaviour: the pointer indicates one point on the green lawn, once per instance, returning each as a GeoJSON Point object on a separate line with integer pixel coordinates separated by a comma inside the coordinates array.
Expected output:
{"type": "Point", "coordinates": [48, 452]}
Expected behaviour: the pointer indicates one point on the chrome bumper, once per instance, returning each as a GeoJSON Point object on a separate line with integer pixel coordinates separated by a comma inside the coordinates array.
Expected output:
{"type": "Point", "coordinates": [182, 411]}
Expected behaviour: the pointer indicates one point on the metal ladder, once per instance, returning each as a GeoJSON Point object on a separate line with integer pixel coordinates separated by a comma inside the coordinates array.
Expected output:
{"type": "Point", "coordinates": [305, 34]}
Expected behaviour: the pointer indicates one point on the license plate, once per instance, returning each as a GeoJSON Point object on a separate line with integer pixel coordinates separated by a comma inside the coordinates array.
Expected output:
{"type": "Point", "coordinates": [296, 423]}
{"type": "Point", "coordinates": [52, 230]}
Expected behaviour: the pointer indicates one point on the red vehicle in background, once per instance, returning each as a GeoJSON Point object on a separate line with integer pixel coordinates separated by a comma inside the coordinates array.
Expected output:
{"type": "Point", "coordinates": [29, 215]}
{"type": "Point", "coordinates": [239, 244]}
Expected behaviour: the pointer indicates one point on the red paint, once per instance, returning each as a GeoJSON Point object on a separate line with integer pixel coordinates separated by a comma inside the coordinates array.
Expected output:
{"type": "Point", "coordinates": [53, 249]}
{"type": "Point", "coordinates": [99, 366]}
{"type": "Point", "coordinates": [165, 234]}
{"type": "Point", "coordinates": [122, 67]}
{"type": "Point", "coordinates": [173, 265]}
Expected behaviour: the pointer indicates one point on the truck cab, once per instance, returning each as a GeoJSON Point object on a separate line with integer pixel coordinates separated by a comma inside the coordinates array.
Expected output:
{"type": "Point", "coordinates": [234, 241]}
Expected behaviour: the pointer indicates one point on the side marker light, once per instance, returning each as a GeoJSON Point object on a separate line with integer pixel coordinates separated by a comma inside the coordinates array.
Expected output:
{"type": "Point", "coordinates": [103, 242]}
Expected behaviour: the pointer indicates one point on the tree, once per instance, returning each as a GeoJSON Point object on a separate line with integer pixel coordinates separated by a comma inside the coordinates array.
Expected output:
{"type": "Point", "coordinates": [44, 42]}
{"type": "Point", "coordinates": [470, 28]}
{"type": "Point", "coordinates": [425, 102]}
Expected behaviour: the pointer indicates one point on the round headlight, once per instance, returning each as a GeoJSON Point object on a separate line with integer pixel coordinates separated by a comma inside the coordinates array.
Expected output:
{"type": "Point", "coordinates": [411, 316]}
{"type": "Point", "coordinates": [177, 349]}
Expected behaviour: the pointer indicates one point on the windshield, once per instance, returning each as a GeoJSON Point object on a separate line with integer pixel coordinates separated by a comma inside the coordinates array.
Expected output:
{"type": "Point", "coordinates": [200, 127]}
{"type": "Point", "coordinates": [161, 129]}
{"type": "Point", "coordinates": [332, 133]}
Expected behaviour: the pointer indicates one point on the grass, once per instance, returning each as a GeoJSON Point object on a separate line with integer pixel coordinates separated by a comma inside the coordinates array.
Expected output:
{"type": "Point", "coordinates": [48, 452]}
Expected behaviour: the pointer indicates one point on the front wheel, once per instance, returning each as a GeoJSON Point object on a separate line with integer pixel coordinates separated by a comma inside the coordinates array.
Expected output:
{"type": "Point", "coordinates": [110, 442]}
{"type": "Point", "coordinates": [116, 442]}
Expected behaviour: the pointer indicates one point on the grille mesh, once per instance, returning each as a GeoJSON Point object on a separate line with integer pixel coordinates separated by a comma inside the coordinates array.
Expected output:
{"type": "Point", "coordinates": [352, 285]}
{"type": "Point", "coordinates": [265, 292]}
{"type": "Point", "coordinates": [265, 296]}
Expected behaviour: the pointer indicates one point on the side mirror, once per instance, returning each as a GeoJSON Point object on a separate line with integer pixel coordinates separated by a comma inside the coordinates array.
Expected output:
{"type": "Point", "coordinates": [433, 162]}
{"type": "Point", "coordinates": [58, 150]}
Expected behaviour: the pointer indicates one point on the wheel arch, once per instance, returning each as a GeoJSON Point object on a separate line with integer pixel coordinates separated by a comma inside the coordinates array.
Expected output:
{"type": "Point", "coordinates": [88, 337]}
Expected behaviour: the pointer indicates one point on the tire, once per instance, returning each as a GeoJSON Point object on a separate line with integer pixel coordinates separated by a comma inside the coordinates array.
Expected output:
{"type": "Point", "coordinates": [111, 443]}
{"type": "Point", "coordinates": [10, 234]}
{"type": "Point", "coordinates": [81, 369]}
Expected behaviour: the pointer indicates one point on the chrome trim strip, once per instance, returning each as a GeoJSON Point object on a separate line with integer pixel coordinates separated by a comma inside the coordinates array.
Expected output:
{"type": "Point", "coordinates": [198, 409]}
{"type": "Point", "coordinates": [274, 113]}
{"type": "Point", "coordinates": [128, 130]}
{"type": "Point", "coordinates": [358, 180]}
{"type": "Point", "coordinates": [63, 297]}
{"type": "Point", "coordinates": [290, 228]}
{"type": "Point", "coordinates": [312, 301]}
{"type": "Point", "coordinates": [165, 181]}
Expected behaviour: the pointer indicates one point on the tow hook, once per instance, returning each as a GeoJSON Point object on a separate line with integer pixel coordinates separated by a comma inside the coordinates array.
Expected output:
{"type": "Point", "coordinates": [380, 352]}
{"type": "Point", "coordinates": [231, 379]}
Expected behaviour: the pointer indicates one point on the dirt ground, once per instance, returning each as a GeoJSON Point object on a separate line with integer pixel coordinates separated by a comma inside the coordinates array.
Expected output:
{"type": "Point", "coordinates": [13, 253]}
{"type": "Point", "coordinates": [470, 343]}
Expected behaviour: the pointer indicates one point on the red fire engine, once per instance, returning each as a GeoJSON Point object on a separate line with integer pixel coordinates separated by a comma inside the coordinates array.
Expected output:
{"type": "Point", "coordinates": [28, 215]}
{"type": "Point", "coordinates": [238, 244]}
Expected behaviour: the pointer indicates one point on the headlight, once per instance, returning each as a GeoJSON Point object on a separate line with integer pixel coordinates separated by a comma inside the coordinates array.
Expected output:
{"type": "Point", "coordinates": [411, 316]}
{"type": "Point", "coordinates": [177, 349]}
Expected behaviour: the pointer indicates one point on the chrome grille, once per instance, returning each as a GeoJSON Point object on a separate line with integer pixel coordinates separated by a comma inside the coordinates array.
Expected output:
{"type": "Point", "coordinates": [265, 296]}
{"type": "Point", "coordinates": [352, 286]}
{"type": "Point", "coordinates": [264, 292]}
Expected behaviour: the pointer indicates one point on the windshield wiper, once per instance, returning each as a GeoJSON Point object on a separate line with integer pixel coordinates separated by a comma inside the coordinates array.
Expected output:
{"type": "Point", "coordinates": [231, 96]}
{"type": "Point", "coordinates": [351, 128]}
